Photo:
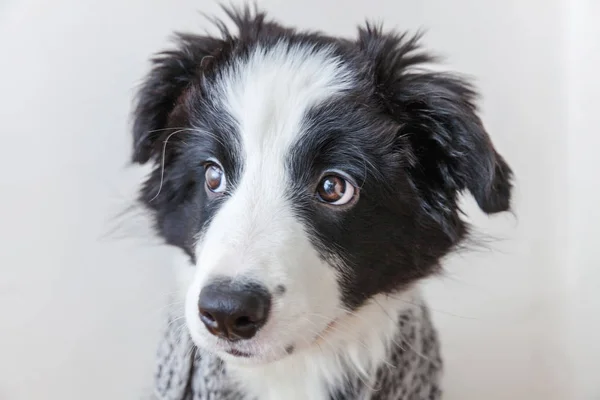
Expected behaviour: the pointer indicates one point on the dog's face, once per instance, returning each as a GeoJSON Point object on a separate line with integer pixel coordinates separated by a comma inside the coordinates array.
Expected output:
{"type": "Point", "coordinates": [303, 175]}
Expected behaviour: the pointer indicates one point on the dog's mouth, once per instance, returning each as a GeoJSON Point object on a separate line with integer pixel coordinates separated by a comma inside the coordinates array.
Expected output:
{"type": "Point", "coordinates": [248, 356]}
{"type": "Point", "coordinates": [238, 353]}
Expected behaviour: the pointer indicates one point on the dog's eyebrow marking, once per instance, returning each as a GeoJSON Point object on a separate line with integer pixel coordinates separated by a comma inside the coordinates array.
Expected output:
{"type": "Point", "coordinates": [269, 93]}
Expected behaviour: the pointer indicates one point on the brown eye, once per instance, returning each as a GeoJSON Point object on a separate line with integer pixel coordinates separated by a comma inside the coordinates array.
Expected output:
{"type": "Point", "coordinates": [215, 178]}
{"type": "Point", "coordinates": [335, 190]}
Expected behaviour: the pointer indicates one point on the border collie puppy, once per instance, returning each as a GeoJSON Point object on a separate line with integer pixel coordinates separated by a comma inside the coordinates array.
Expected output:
{"type": "Point", "coordinates": [312, 183]}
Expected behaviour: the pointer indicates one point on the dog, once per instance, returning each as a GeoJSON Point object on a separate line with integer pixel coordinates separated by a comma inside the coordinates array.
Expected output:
{"type": "Point", "coordinates": [312, 182]}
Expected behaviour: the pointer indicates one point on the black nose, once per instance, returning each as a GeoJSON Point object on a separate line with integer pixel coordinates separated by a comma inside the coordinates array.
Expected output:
{"type": "Point", "coordinates": [232, 310]}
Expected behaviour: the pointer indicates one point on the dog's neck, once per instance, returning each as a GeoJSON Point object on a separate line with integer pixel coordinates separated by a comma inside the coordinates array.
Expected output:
{"type": "Point", "coordinates": [386, 347]}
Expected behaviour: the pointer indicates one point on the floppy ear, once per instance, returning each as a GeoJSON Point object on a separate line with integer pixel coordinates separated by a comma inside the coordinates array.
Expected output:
{"type": "Point", "coordinates": [172, 72]}
{"type": "Point", "coordinates": [451, 150]}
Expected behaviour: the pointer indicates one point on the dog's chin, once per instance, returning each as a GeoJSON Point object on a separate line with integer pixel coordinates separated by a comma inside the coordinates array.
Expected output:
{"type": "Point", "coordinates": [250, 359]}
{"type": "Point", "coordinates": [242, 355]}
{"type": "Point", "coordinates": [238, 353]}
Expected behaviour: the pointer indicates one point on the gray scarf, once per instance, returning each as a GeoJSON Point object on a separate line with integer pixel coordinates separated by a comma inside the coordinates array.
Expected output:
{"type": "Point", "coordinates": [411, 372]}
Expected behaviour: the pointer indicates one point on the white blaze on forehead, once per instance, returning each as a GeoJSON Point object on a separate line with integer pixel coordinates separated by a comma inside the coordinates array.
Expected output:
{"type": "Point", "coordinates": [269, 93]}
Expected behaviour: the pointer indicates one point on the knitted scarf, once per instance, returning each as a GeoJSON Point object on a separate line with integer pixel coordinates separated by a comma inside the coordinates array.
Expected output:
{"type": "Point", "coordinates": [411, 372]}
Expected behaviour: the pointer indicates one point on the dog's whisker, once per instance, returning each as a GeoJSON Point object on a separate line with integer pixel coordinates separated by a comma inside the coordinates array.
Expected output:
{"type": "Point", "coordinates": [216, 138]}
{"type": "Point", "coordinates": [175, 321]}
{"type": "Point", "coordinates": [163, 160]}
{"type": "Point", "coordinates": [166, 129]}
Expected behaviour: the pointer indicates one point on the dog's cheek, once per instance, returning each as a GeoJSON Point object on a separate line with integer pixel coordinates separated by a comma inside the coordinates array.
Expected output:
{"type": "Point", "coordinates": [312, 300]}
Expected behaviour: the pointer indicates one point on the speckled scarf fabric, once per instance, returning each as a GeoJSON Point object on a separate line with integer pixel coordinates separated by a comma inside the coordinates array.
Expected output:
{"type": "Point", "coordinates": [411, 372]}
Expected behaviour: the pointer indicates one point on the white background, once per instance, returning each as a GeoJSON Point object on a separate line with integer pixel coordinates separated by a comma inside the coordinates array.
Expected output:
{"type": "Point", "coordinates": [81, 305]}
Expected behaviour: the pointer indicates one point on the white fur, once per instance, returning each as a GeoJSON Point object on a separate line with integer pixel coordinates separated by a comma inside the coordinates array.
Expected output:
{"type": "Point", "coordinates": [255, 235]}
{"type": "Point", "coordinates": [358, 343]}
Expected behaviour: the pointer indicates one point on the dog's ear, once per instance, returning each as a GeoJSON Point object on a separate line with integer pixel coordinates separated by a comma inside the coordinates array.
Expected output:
{"type": "Point", "coordinates": [451, 150]}
{"type": "Point", "coordinates": [171, 74]}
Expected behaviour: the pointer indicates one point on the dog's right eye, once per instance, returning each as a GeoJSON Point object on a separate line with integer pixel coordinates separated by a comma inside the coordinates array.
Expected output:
{"type": "Point", "coordinates": [335, 190]}
{"type": "Point", "coordinates": [215, 178]}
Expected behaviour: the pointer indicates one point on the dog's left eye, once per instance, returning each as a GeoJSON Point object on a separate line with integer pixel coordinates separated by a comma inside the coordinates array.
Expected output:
{"type": "Point", "coordinates": [335, 190]}
{"type": "Point", "coordinates": [215, 178]}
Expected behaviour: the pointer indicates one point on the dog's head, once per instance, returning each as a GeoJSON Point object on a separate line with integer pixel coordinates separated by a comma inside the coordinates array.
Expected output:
{"type": "Point", "coordinates": [304, 174]}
